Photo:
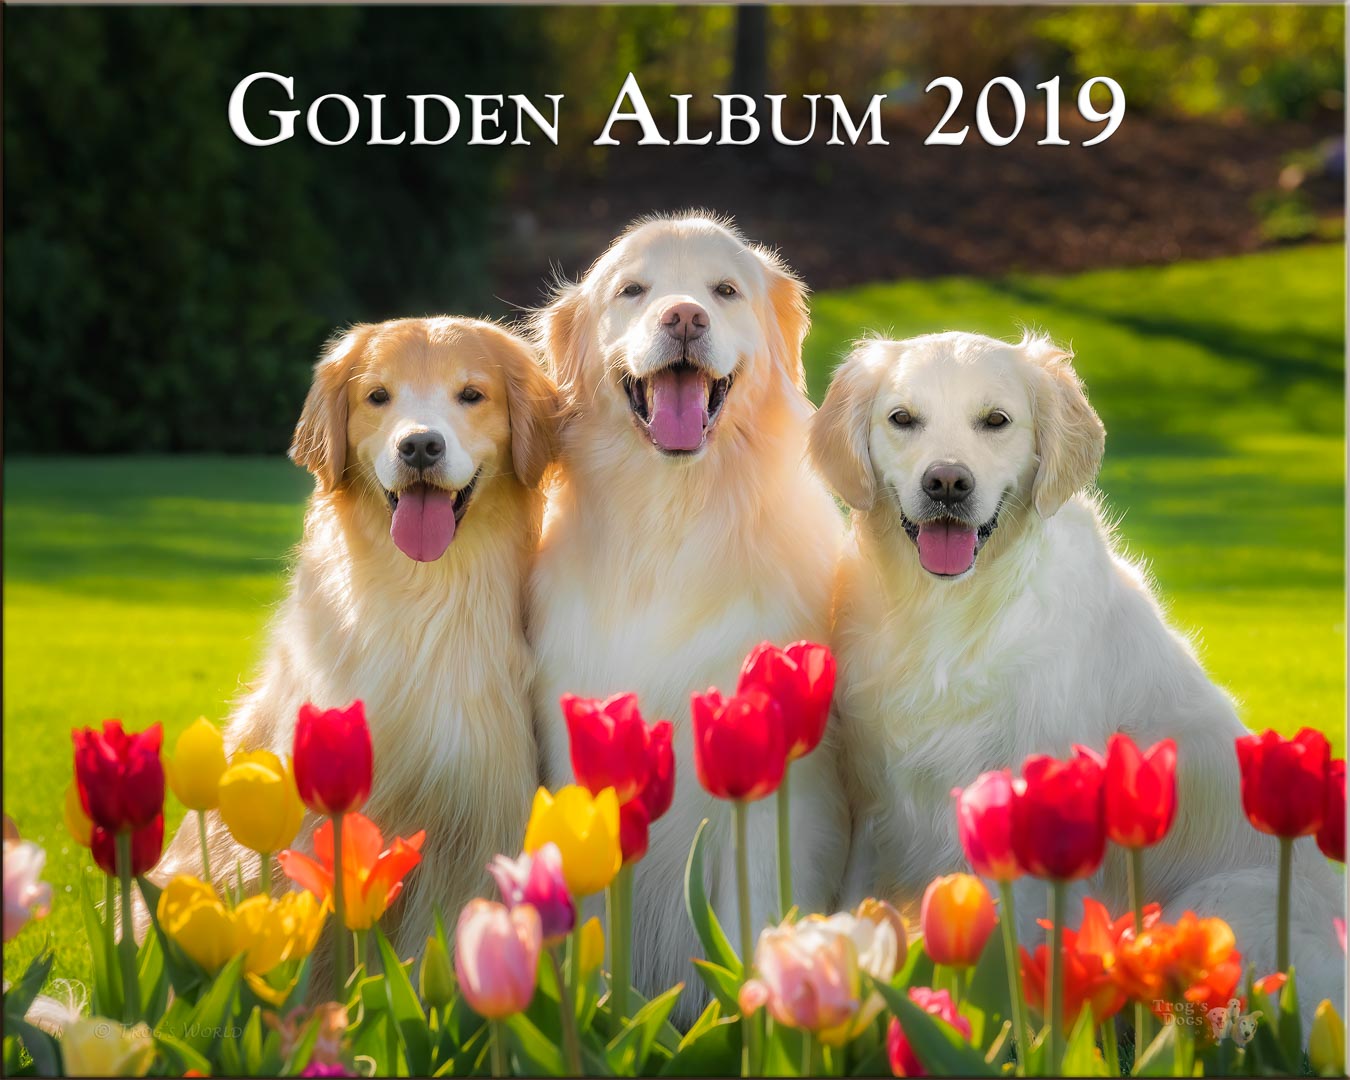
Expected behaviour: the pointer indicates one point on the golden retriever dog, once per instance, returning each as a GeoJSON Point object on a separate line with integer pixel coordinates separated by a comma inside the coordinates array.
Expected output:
{"type": "Point", "coordinates": [687, 527]}
{"type": "Point", "coordinates": [986, 612]}
{"type": "Point", "coordinates": [427, 439]}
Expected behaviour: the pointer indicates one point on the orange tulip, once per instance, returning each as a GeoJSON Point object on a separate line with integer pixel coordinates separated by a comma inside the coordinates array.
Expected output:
{"type": "Point", "coordinates": [957, 918]}
{"type": "Point", "coordinates": [372, 875]}
{"type": "Point", "coordinates": [1089, 956]}
{"type": "Point", "coordinates": [1195, 960]}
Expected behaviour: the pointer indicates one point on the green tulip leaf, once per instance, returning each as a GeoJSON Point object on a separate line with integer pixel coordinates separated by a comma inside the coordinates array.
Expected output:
{"type": "Point", "coordinates": [1080, 1051]}
{"type": "Point", "coordinates": [537, 1054]}
{"type": "Point", "coordinates": [716, 946]}
{"type": "Point", "coordinates": [405, 1009]}
{"type": "Point", "coordinates": [154, 986]}
{"type": "Point", "coordinates": [107, 995]}
{"type": "Point", "coordinates": [988, 990]}
{"type": "Point", "coordinates": [1160, 1056]}
{"type": "Point", "coordinates": [1291, 1023]}
{"type": "Point", "coordinates": [917, 970]}
{"type": "Point", "coordinates": [628, 1051]}
{"type": "Point", "coordinates": [710, 1050]}
{"type": "Point", "coordinates": [207, 1021]}
{"type": "Point", "coordinates": [183, 1055]}
{"type": "Point", "coordinates": [725, 985]}
{"type": "Point", "coordinates": [938, 1045]}
{"type": "Point", "coordinates": [41, 1047]}
{"type": "Point", "coordinates": [19, 997]}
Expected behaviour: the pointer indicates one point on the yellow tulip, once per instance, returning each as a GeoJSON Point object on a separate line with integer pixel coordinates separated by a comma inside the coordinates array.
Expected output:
{"type": "Point", "coordinates": [77, 821]}
{"type": "Point", "coordinates": [586, 830]}
{"type": "Point", "coordinates": [197, 764]}
{"type": "Point", "coordinates": [592, 947]}
{"type": "Point", "coordinates": [269, 932]}
{"type": "Point", "coordinates": [194, 917]}
{"type": "Point", "coordinates": [1326, 1041]}
{"type": "Point", "coordinates": [259, 802]}
{"type": "Point", "coordinates": [96, 1046]}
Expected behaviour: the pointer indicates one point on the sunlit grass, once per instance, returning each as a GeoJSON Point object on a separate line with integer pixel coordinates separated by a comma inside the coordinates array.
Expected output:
{"type": "Point", "coordinates": [139, 587]}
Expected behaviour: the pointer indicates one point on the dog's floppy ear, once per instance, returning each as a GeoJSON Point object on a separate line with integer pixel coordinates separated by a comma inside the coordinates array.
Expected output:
{"type": "Point", "coordinates": [559, 330]}
{"type": "Point", "coordinates": [841, 430]}
{"type": "Point", "coordinates": [1070, 437]}
{"type": "Point", "coordinates": [532, 406]}
{"type": "Point", "coordinates": [320, 440]}
{"type": "Point", "coordinates": [788, 314]}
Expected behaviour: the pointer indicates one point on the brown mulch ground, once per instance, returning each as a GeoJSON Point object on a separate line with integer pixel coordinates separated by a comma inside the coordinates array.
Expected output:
{"type": "Point", "coordinates": [1156, 191]}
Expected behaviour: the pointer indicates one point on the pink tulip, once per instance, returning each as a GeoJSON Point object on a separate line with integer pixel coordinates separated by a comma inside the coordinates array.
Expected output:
{"type": "Point", "coordinates": [538, 880]}
{"type": "Point", "coordinates": [25, 896]}
{"type": "Point", "coordinates": [937, 1003]}
{"type": "Point", "coordinates": [497, 957]}
{"type": "Point", "coordinates": [984, 822]}
{"type": "Point", "coordinates": [807, 977]}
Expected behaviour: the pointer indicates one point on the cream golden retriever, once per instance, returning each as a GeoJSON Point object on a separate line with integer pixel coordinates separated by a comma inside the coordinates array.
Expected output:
{"type": "Point", "coordinates": [427, 439]}
{"type": "Point", "coordinates": [687, 527]}
{"type": "Point", "coordinates": [985, 612]}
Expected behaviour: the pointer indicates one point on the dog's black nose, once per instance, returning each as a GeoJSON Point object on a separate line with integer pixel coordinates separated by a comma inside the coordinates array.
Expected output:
{"type": "Point", "coordinates": [948, 483]}
{"type": "Point", "coordinates": [422, 449]}
{"type": "Point", "coordinates": [685, 322]}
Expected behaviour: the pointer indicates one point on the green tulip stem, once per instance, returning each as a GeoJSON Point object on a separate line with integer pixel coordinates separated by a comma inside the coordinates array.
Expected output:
{"type": "Point", "coordinates": [498, 1048]}
{"type": "Point", "coordinates": [784, 845]}
{"type": "Point", "coordinates": [206, 851]}
{"type": "Point", "coordinates": [1282, 910]}
{"type": "Point", "coordinates": [1058, 897]}
{"type": "Point", "coordinates": [619, 900]}
{"type": "Point", "coordinates": [1134, 865]}
{"type": "Point", "coordinates": [566, 992]}
{"type": "Point", "coordinates": [110, 914]}
{"type": "Point", "coordinates": [126, 945]}
{"type": "Point", "coordinates": [1019, 1017]}
{"type": "Point", "coordinates": [265, 873]}
{"type": "Point", "coordinates": [342, 965]}
{"type": "Point", "coordinates": [749, 1028]}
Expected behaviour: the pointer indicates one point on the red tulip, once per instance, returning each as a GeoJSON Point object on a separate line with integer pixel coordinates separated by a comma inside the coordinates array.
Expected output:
{"type": "Point", "coordinates": [1284, 781]}
{"type": "Point", "coordinates": [147, 845]}
{"type": "Point", "coordinates": [1058, 816]}
{"type": "Point", "coordinates": [739, 750]}
{"type": "Point", "coordinates": [800, 679]}
{"type": "Point", "coordinates": [119, 775]}
{"type": "Point", "coordinates": [1331, 836]}
{"type": "Point", "coordinates": [984, 824]}
{"type": "Point", "coordinates": [1141, 791]}
{"type": "Point", "coordinates": [939, 1003]}
{"type": "Point", "coordinates": [609, 743]}
{"type": "Point", "coordinates": [633, 828]}
{"type": "Point", "coordinates": [659, 791]}
{"type": "Point", "coordinates": [334, 763]}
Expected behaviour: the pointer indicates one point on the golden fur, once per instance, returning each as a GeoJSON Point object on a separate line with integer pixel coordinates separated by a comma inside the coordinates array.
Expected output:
{"type": "Point", "coordinates": [436, 650]}
{"type": "Point", "coordinates": [658, 574]}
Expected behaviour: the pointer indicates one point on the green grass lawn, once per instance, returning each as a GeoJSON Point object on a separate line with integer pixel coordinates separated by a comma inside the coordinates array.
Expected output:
{"type": "Point", "coordinates": [139, 588]}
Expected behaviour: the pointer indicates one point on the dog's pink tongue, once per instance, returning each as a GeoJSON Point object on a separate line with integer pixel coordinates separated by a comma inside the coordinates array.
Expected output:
{"type": "Point", "coordinates": [424, 523]}
{"type": "Point", "coordinates": [946, 547]}
{"type": "Point", "coordinates": [679, 406]}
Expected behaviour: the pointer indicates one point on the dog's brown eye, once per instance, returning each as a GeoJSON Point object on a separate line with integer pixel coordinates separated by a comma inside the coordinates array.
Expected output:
{"type": "Point", "coordinates": [378, 396]}
{"type": "Point", "coordinates": [632, 289]}
{"type": "Point", "coordinates": [997, 419]}
{"type": "Point", "coordinates": [902, 418]}
{"type": "Point", "coordinates": [469, 395]}
{"type": "Point", "coordinates": [725, 288]}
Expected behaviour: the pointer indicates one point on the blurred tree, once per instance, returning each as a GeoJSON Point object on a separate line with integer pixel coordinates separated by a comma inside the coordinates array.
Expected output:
{"type": "Point", "coordinates": [750, 74]}
{"type": "Point", "coordinates": [168, 287]}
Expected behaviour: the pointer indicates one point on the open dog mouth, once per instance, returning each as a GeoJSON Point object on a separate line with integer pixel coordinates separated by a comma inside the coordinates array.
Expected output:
{"type": "Point", "coordinates": [947, 545]}
{"type": "Point", "coordinates": [424, 517]}
{"type": "Point", "coordinates": [678, 406]}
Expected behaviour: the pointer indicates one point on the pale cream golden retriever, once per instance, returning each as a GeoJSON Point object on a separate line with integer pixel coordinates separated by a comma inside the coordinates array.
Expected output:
{"type": "Point", "coordinates": [985, 612]}
{"type": "Point", "coordinates": [427, 439]}
{"type": "Point", "coordinates": [687, 527]}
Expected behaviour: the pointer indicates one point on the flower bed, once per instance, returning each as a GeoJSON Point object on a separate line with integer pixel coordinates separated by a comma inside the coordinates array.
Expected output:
{"type": "Point", "coordinates": [221, 983]}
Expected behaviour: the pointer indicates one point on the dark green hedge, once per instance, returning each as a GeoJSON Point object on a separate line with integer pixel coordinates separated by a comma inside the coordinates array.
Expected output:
{"type": "Point", "coordinates": [168, 287]}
